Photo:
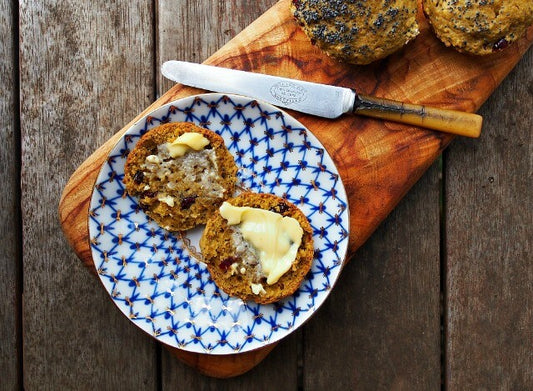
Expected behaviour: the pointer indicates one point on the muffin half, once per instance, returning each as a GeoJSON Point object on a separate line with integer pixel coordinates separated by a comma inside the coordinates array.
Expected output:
{"type": "Point", "coordinates": [180, 173]}
{"type": "Point", "coordinates": [258, 247]}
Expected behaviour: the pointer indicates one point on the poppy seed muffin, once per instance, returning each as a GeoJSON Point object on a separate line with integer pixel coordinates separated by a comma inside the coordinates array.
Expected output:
{"type": "Point", "coordinates": [357, 32]}
{"type": "Point", "coordinates": [479, 26]}
{"type": "Point", "coordinates": [239, 267]}
{"type": "Point", "coordinates": [180, 173]}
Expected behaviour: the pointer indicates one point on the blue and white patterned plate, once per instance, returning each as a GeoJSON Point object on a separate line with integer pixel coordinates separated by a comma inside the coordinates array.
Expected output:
{"type": "Point", "coordinates": [157, 278]}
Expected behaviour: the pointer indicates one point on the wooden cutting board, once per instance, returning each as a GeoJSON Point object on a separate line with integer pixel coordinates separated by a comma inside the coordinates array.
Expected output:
{"type": "Point", "coordinates": [378, 161]}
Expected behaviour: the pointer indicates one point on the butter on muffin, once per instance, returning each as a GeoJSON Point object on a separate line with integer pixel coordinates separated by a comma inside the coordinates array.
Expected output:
{"type": "Point", "coordinates": [180, 173]}
{"type": "Point", "coordinates": [479, 26]}
{"type": "Point", "coordinates": [357, 32]}
{"type": "Point", "coordinates": [258, 247]}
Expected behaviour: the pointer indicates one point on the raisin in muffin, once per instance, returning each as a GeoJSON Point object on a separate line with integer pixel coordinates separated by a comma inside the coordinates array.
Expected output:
{"type": "Point", "coordinates": [239, 266]}
{"type": "Point", "coordinates": [357, 32]}
{"type": "Point", "coordinates": [180, 173]}
{"type": "Point", "coordinates": [479, 26]}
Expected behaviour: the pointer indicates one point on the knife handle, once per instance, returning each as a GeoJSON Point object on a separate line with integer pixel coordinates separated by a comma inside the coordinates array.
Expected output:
{"type": "Point", "coordinates": [448, 121]}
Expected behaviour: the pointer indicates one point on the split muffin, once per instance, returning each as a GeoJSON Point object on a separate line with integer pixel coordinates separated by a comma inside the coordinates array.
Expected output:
{"type": "Point", "coordinates": [258, 247]}
{"type": "Point", "coordinates": [180, 173]}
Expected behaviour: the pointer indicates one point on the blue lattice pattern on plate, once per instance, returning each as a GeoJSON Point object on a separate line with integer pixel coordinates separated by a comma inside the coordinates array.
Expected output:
{"type": "Point", "coordinates": [157, 279]}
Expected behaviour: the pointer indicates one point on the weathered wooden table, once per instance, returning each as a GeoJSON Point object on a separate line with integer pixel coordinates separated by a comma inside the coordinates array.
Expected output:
{"type": "Point", "coordinates": [440, 296]}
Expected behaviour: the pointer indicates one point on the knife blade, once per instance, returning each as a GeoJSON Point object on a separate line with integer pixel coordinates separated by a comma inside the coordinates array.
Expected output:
{"type": "Point", "coordinates": [319, 99]}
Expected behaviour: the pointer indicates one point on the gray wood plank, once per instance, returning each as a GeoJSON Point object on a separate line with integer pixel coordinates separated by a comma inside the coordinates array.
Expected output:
{"type": "Point", "coordinates": [86, 69]}
{"type": "Point", "coordinates": [204, 27]}
{"type": "Point", "coordinates": [489, 240]}
{"type": "Point", "coordinates": [380, 328]}
{"type": "Point", "coordinates": [9, 199]}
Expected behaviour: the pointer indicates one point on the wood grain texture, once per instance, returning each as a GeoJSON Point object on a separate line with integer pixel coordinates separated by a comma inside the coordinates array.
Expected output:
{"type": "Point", "coordinates": [77, 63]}
{"type": "Point", "coordinates": [489, 303]}
{"type": "Point", "coordinates": [379, 162]}
{"type": "Point", "coordinates": [424, 72]}
{"type": "Point", "coordinates": [204, 27]}
{"type": "Point", "coordinates": [380, 328]}
{"type": "Point", "coordinates": [10, 256]}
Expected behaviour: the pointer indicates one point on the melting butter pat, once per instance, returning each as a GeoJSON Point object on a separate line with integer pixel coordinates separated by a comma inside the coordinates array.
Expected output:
{"type": "Point", "coordinates": [275, 238]}
{"type": "Point", "coordinates": [187, 142]}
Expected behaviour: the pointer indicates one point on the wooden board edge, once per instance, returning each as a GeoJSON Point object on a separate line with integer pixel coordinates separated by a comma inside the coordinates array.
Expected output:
{"type": "Point", "coordinates": [223, 366]}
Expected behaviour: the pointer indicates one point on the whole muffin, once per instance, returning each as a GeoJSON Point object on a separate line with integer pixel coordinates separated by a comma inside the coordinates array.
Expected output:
{"type": "Point", "coordinates": [357, 31]}
{"type": "Point", "coordinates": [479, 26]}
{"type": "Point", "coordinates": [177, 185]}
{"type": "Point", "coordinates": [239, 268]}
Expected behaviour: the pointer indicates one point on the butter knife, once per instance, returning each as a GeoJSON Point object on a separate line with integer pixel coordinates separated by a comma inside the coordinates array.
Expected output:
{"type": "Point", "coordinates": [319, 99]}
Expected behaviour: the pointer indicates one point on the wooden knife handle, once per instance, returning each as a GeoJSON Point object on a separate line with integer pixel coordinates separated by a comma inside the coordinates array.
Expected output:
{"type": "Point", "coordinates": [448, 121]}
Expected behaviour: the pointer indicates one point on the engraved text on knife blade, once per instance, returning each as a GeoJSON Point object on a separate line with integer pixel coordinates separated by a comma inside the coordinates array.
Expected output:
{"type": "Point", "coordinates": [288, 93]}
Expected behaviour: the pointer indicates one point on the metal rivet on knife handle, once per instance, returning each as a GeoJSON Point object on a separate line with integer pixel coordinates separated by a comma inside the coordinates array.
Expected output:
{"type": "Point", "coordinates": [449, 121]}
